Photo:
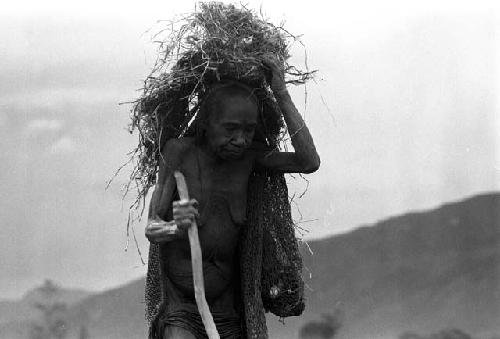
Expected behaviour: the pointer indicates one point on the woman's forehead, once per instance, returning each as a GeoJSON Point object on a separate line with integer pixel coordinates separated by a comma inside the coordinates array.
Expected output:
{"type": "Point", "coordinates": [238, 108]}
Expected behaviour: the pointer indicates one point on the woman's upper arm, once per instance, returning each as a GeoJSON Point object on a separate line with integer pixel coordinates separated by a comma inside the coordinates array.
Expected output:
{"type": "Point", "coordinates": [286, 162]}
{"type": "Point", "coordinates": [165, 186]}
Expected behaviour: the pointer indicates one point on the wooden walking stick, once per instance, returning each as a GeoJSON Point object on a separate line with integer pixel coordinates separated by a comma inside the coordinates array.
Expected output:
{"type": "Point", "coordinates": [196, 262]}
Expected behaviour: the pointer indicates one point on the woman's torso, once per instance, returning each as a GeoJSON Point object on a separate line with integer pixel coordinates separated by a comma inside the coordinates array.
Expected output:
{"type": "Point", "coordinates": [220, 188]}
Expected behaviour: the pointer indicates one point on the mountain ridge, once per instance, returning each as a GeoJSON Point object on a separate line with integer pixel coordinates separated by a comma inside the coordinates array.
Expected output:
{"type": "Point", "coordinates": [421, 271]}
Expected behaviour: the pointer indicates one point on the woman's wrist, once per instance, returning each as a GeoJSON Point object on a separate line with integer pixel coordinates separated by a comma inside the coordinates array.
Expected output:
{"type": "Point", "coordinates": [162, 231]}
{"type": "Point", "coordinates": [280, 92]}
{"type": "Point", "coordinates": [171, 228]}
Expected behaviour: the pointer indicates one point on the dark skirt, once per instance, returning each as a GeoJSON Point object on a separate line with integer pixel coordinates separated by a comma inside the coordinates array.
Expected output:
{"type": "Point", "coordinates": [188, 318]}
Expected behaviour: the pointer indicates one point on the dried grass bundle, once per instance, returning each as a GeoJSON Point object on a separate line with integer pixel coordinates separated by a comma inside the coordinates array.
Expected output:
{"type": "Point", "coordinates": [217, 41]}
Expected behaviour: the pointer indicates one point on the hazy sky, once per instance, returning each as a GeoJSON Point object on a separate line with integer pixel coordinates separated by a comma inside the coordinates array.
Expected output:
{"type": "Point", "coordinates": [411, 121]}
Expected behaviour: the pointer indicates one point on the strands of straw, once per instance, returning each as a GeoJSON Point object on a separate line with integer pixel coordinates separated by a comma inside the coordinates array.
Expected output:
{"type": "Point", "coordinates": [217, 41]}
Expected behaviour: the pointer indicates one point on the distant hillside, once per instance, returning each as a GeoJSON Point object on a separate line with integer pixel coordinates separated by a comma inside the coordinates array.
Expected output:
{"type": "Point", "coordinates": [421, 271]}
{"type": "Point", "coordinates": [115, 314]}
{"type": "Point", "coordinates": [16, 315]}
{"type": "Point", "coordinates": [418, 272]}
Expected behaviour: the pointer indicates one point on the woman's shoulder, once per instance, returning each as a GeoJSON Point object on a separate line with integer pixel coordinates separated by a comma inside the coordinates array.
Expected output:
{"type": "Point", "coordinates": [175, 149]}
{"type": "Point", "coordinates": [176, 145]}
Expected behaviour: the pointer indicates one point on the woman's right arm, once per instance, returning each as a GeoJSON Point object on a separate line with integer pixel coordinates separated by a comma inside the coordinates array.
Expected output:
{"type": "Point", "coordinates": [157, 229]}
{"type": "Point", "coordinates": [160, 208]}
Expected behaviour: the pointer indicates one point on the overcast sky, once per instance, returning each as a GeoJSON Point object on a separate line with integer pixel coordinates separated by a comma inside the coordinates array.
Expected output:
{"type": "Point", "coordinates": [404, 114]}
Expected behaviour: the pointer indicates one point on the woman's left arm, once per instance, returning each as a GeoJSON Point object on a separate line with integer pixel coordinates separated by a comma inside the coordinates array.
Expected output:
{"type": "Point", "coordinates": [305, 159]}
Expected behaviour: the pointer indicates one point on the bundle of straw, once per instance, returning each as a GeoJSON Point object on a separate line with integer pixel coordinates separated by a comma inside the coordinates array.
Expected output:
{"type": "Point", "coordinates": [217, 41]}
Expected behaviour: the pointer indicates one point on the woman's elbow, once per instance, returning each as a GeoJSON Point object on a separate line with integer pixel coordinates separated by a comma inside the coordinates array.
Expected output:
{"type": "Point", "coordinates": [312, 165]}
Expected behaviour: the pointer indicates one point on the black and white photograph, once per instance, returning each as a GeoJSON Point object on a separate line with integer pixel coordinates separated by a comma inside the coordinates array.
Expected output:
{"type": "Point", "coordinates": [250, 169]}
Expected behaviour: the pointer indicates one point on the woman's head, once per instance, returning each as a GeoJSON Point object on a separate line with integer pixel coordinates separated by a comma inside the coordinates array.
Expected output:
{"type": "Point", "coordinates": [228, 119]}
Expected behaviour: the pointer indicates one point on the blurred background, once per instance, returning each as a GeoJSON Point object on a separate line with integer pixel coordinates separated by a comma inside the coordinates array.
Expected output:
{"type": "Point", "coordinates": [402, 218]}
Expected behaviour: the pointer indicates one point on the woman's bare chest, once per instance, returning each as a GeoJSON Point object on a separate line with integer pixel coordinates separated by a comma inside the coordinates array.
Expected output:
{"type": "Point", "coordinates": [217, 185]}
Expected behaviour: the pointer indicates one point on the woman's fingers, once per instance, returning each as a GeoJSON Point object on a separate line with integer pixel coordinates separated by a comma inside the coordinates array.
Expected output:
{"type": "Point", "coordinates": [184, 204]}
{"type": "Point", "coordinates": [185, 212]}
{"type": "Point", "coordinates": [275, 72]}
{"type": "Point", "coordinates": [194, 203]}
{"type": "Point", "coordinates": [272, 62]}
{"type": "Point", "coordinates": [184, 223]}
{"type": "Point", "coordinates": [165, 230]}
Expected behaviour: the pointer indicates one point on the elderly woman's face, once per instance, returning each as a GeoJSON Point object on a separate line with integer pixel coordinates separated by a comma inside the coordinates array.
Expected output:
{"type": "Point", "coordinates": [231, 128]}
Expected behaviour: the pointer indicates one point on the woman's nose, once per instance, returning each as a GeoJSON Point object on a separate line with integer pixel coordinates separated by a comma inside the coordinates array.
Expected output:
{"type": "Point", "coordinates": [239, 139]}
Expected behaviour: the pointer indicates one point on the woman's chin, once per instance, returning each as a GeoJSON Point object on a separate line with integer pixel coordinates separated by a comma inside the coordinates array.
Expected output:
{"type": "Point", "coordinates": [228, 155]}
